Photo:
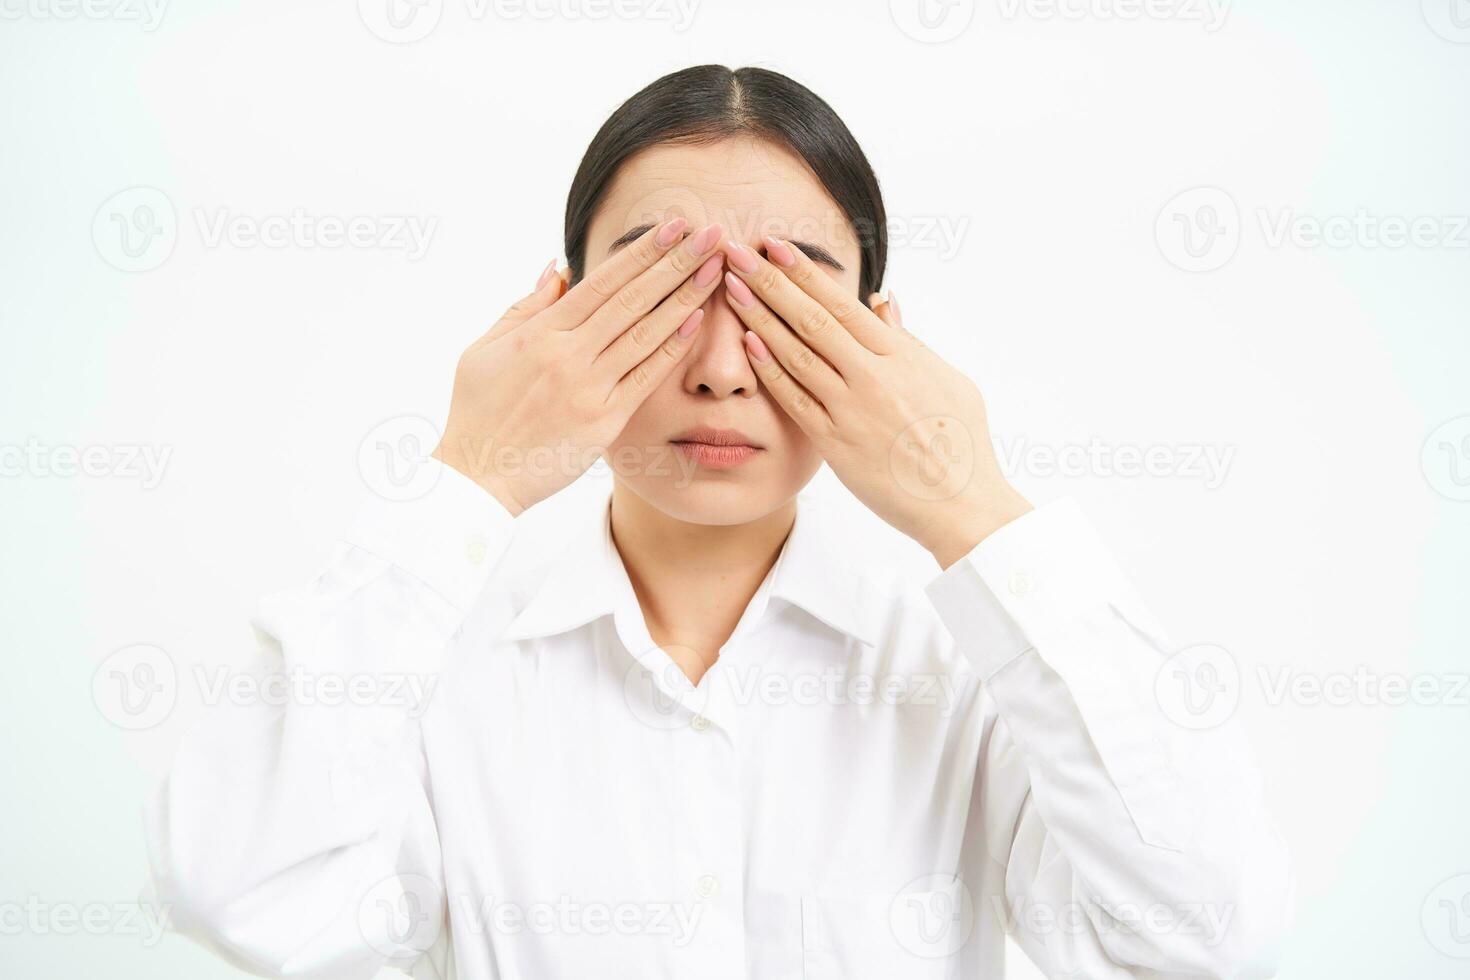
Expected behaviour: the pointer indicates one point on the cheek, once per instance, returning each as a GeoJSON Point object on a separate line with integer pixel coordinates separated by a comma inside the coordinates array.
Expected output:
{"type": "Point", "coordinates": [796, 445]}
{"type": "Point", "coordinates": [650, 418]}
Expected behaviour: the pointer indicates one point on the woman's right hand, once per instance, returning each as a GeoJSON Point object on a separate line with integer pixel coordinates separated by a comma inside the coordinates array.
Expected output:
{"type": "Point", "coordinates": [555, 380]}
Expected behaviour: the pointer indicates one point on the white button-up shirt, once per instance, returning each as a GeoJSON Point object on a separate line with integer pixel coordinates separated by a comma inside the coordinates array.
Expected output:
{"type": "Point", "coordinates": [874, 779]}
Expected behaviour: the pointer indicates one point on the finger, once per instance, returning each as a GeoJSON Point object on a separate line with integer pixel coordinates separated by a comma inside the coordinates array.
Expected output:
{"type": "Point", "coordinates": [863, 324]}
{"type": "Point", "coordinates": [639, 340]}
{"type": "Point", "coordinates": [603, 282]}
{"type": "Point", "coordinates": [650, 372]}
{"type": "Point", "coordinates": [548, 290]}
{"type": "Point", "coordinates": [882, 310]}
{"type": "Point", "coordinates": [807, 317]}
{"type": "Point", "coordinates": [633, 302]}
{"type": "Point", "coordinates": [810, 371]}
{"type": "Point", "coordinates": [794, 400]}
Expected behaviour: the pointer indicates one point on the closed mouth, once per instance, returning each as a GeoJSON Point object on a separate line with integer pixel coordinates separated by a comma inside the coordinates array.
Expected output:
{"type": "Point", "coordinates": [716, 449]}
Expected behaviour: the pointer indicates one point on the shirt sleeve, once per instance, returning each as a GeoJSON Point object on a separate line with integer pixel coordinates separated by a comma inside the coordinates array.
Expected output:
{"type": "Point", "coordinates": [1133, 840]}
{"type": "Point", "coordinates": [294, 835]}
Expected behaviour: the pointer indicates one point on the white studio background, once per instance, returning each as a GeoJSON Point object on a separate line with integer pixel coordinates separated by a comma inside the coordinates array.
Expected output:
{"type": "Point", "coordinates": [1103, 209]}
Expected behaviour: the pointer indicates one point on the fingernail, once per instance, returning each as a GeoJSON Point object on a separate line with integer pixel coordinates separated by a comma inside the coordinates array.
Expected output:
{"type": "Point", "coordinates": [757, 347]}
{"type": "Point", "coordinates": [737, 290]}
{"type": "Point", "coordinates": [893, 303]}
{"type": "Point", "coordinates": [708, 271]}
{"type": "Point", "coordinates": [741, 257]}
{"type": "Point", "coordinates": [778, 252]}
{"type": "Point", "coordinates": [546, 274]}
{"type": "Point", "coordinates": [703, 240]}
{"type": "Point", "coordinates": [691, 323]}
{"type": "Point", "coordinates": [669, 233]}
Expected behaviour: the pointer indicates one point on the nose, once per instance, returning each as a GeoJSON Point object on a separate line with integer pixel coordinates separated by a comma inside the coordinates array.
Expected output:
{"type": "Point", "coordinates": [717, 364]}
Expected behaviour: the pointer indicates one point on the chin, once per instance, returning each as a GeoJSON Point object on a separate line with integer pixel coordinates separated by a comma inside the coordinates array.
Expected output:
{"type": "Point", "coordinates": [723, 497]}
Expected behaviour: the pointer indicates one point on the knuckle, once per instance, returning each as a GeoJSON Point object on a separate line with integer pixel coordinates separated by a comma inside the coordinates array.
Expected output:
{"type": "Point", "coordinates": [601, 283]}
{"type": "Point", "coordinates": [630, 299]}
{"type": "Point", "coordinates": [801, 402]}
{"type": "Point", "coordinates": [803, 360]}
{"type": "Point", "coordinates": [640, 378]}
{"type": "Point", "coordinates": [649, 249]}
{"type": "Point", "coordinates": [813, 321]}
{"type": "Point", "coordinates": [765, 279]}
{"type": "Point", "coordinates": [687, 295]}
{"type": "Point", "coordinates": [641, 334]}
{"type": "Point", "coordinates": [801, 273]}
{"type": "Point", "coordinates": [844, 310]}
{"type": "Point", "coordinates": [681, 260]}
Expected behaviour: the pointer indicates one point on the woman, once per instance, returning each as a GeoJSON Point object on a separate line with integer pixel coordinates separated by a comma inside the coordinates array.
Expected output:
{"type": "Point", "coordinates": [702, 741]}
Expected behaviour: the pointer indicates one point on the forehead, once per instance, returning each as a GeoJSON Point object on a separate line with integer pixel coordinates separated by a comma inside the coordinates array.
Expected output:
{"type": "Point", "coordinates": [750, 186]}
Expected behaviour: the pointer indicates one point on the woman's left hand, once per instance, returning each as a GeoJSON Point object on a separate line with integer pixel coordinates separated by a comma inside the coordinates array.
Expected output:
{"type": "Point", "coordinates": [901, 428]}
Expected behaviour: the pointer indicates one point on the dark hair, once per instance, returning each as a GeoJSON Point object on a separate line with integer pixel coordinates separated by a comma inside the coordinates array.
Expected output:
{"type": "Point", "coordinates": [710, 102]}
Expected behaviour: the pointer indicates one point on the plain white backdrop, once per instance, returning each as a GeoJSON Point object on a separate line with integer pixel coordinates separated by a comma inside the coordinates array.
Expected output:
{"type": "Point", "coordinates": [1208, 261]}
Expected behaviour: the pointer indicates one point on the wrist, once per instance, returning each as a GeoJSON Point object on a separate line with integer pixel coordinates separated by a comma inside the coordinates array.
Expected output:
{"type": "Point", "coordinates": [451, 453]}
{"type": "Point", "coordinates": [963, 530]}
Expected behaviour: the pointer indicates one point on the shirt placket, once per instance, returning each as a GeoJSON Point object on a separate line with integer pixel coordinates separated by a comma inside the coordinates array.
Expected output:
{"type": "Point", "coordinates": [709, 856]}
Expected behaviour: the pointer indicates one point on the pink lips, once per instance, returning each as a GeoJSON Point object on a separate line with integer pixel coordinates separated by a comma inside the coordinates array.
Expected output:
{"type": "Point", "coordinates": [717, 449]}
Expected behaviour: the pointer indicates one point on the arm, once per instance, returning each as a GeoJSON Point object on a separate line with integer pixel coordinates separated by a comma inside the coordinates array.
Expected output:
{"type": "Point", "coordinates": [1130, 844]}
{"type": "Point", "coordinates": [1095, 799]}
{"type": "Point", "coordinates": [300, 839]}
{"type": "Point", "coordinates": [285, 834]}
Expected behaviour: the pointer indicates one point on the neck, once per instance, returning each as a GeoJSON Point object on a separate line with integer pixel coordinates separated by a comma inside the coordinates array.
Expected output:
{"type": "Point", "coordinates": [693, 581]}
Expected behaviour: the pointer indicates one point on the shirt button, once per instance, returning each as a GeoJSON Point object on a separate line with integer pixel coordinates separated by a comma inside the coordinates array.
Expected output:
{"type": "Point", "coordinates": [1019, 583]}
{"type": "Point", "coordinates": [700, 723]}
{"type": "Point", "coordinates": [707, 886]}
{"type": "Point", "coordinates": [475, 550]}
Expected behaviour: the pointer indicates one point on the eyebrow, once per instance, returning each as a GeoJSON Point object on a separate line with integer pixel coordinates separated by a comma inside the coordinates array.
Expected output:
{"type": "Point", "coordinates": [813, 251]}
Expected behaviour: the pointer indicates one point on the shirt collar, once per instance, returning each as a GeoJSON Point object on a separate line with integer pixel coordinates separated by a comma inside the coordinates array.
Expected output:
{"type": "Point", "coordinates": [587, 580]}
